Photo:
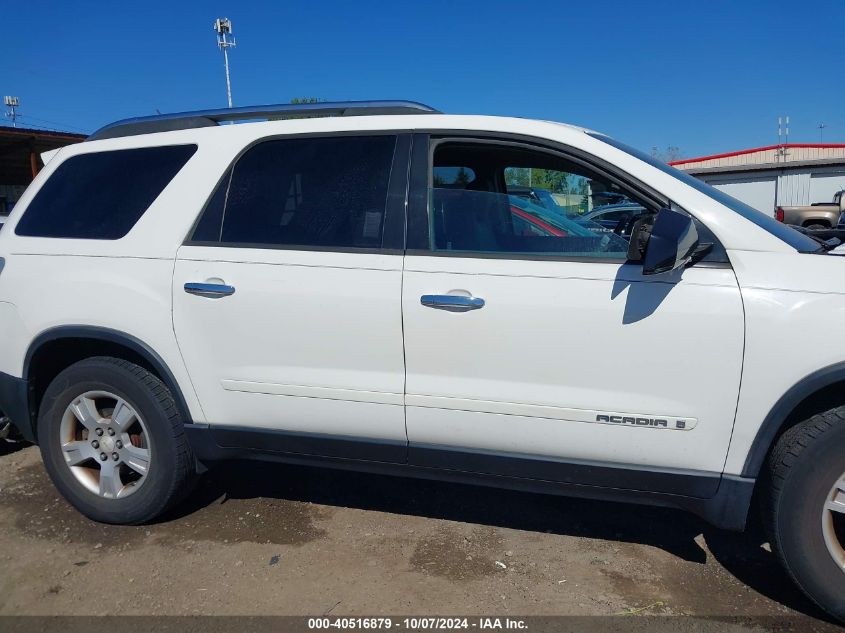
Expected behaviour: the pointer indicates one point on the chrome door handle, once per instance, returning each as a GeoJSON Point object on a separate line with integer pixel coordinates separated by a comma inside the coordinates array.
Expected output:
{"type": "Point", "coordinates": [209, 290]}
{"type": "Point", "coordinates": [452, 303]}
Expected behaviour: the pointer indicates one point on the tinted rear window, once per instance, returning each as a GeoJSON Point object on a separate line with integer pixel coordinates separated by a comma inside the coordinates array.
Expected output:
{"type": "Point", "coordinates": [100, 196]}
{"type": "Point", "coordinates": [310, 192]}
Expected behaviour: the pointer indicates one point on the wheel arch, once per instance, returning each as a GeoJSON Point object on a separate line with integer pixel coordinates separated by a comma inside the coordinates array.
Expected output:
{"type": "Point", "coordinates": [823, 221]}
{"type": "Point", "coordinates": [76, 342]}
{"type": "Point", "coordinates": [818, 391]}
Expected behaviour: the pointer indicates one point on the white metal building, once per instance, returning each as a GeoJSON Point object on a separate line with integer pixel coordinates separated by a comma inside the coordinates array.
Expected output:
{"type": "Point", "coordinates": [795, 174]}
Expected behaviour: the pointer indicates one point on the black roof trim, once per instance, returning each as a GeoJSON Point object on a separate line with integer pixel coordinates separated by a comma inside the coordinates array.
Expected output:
{"type": "Point", "coordinates": [209, 118]}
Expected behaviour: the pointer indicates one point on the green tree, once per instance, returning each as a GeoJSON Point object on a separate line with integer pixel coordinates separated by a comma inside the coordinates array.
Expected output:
{"type": "Point", "coordinates": [462, 177]}
{"type": "Point", "coordinates": [302, 100]}
{"type": "Point", "coordinates": [549, 179]}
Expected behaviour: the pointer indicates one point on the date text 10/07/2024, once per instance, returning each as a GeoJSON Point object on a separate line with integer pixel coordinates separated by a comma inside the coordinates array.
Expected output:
{"type": "Point", "coordinates": [417, 624]}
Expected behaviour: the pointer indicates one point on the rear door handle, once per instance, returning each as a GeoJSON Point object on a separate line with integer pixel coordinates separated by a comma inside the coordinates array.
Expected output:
{"type": "Point", "coordinates": [213, 291]}
{"type": "Point", "coordinates": [452, 303]}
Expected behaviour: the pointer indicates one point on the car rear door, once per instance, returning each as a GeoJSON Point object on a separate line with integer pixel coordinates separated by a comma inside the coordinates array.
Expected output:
{"type": "Point", "coordinates": [287, 298]}
{"type": "Point", "coordinates": [550, 356]}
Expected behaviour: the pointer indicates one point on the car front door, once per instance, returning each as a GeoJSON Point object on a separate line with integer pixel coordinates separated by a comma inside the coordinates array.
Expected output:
{"type": "Point", "coordinates": [287, 298]}
{"type": "Point", "coordinates": [547, 355]}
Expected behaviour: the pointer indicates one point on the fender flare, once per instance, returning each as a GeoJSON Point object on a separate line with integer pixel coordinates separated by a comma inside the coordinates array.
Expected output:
{"type": "Point", "coordinates": [779, 413]}
{"type": "Point", "coordinates": [111, 336]}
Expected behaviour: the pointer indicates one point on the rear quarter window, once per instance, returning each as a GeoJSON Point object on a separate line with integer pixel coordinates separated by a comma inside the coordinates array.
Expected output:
{"type": "Point", "coordinates": [102, 195]}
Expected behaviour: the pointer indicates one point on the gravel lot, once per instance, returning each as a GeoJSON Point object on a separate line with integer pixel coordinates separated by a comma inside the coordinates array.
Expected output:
{"type": "Point", "coordinates": [271, 539]}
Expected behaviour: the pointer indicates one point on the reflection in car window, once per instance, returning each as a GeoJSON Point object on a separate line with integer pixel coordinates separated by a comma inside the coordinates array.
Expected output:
{"type": "Point", "coordinates": [453, 177]}
{"type": "Point", "coordinates": [514, 200]}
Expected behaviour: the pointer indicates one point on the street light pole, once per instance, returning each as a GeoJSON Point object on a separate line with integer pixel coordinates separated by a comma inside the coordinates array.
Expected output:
{"type": "Point", "coordinates": [225, 41]}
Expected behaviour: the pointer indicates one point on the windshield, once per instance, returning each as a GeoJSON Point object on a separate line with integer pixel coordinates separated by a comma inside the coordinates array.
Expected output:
{"type": "Point", "coordinates": [783, 232]}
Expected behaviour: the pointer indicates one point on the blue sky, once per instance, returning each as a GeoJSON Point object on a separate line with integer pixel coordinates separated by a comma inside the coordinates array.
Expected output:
{"type": "Point", "coordinates": [703, 76]}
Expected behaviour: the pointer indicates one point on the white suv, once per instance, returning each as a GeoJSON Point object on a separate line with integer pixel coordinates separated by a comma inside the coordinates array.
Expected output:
{"type": "Point", "coordinates": [352, 285]}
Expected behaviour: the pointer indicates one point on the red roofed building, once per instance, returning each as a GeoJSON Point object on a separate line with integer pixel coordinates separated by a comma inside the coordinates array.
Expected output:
{"type": "Point", "coordinates": [794, 174]}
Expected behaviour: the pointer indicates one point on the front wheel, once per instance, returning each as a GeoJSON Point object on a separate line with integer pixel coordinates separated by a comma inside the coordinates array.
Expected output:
{"type": "Point", "coordinates": [112, 441]}
{"type": "Point", "coordinates": [805, 509]}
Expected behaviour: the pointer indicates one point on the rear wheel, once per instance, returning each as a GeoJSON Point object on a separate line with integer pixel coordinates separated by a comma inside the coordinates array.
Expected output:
{"type": "Point", "coordinates": [112, 441]}
{"type": "Point", "coordinates": [805, 513]}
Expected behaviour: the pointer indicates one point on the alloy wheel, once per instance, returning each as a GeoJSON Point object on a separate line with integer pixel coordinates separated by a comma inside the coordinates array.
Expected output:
{"type": "Point", "coordinates": [105, 444]}
{"type": "Point", "coordinates": [833, 522]}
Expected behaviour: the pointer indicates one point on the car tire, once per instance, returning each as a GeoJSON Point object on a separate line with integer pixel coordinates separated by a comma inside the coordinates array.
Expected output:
{"type": "Point", "coordinates": [816, 227]}
{"type": "Point", "coordinates": [805, 475]}
{"type": "Point", "coordinates": [113, 442]}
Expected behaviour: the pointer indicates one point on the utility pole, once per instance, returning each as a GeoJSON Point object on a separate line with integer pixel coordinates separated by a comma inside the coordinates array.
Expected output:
{"type": "Point", "coordinates": [225, 41]}
{"type": "Point", "coordinates": [12, 103]}
{"type": "Point", "coordinates": [822, 126]}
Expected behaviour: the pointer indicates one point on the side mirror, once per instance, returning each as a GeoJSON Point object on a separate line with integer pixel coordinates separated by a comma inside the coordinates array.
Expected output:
{"type": "Point", "coordinates": [664, 241]}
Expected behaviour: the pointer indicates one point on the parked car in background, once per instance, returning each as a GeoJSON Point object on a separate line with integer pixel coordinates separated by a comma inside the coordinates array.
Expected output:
{"type": "Point", "coordinates": [533, 219]}
{"type": "Point", "coordinates": [527, 223]}
{"type": "Point", "coordinates": [603, 198]}
{"type": "Point", "coordinates": [354, 292]}
{"type": "Point", "coordinates": [542, 197]}
{"type": "Point", "coordinates": [614, 217]}
{"type": "Point", "coordinates": [819, 215]}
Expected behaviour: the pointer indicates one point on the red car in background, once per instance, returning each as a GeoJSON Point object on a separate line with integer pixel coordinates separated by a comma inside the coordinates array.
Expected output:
{"type": "Point", "coordinates": [528, 224]}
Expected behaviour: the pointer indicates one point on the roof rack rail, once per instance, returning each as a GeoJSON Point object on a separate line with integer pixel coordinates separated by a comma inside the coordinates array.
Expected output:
{"type": "Point", "coordinates": [209, 118]}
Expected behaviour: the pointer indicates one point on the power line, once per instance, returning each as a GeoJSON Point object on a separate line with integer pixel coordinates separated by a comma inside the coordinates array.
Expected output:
{"type": "Point", "coordinates": [60, 125]}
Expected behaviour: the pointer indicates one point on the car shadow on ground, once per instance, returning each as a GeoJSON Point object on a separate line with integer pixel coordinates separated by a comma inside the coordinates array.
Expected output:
{"type": "Point", "coordinates": [742, 555]}
{"type": "Point", "coordinates": [7, 448]}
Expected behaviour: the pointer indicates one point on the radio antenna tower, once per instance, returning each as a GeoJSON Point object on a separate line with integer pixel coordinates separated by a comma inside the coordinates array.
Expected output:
{"type": "Point", "coordinates": [225, 41]}
{"type": "Point", "coordinates": [13, 103]}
